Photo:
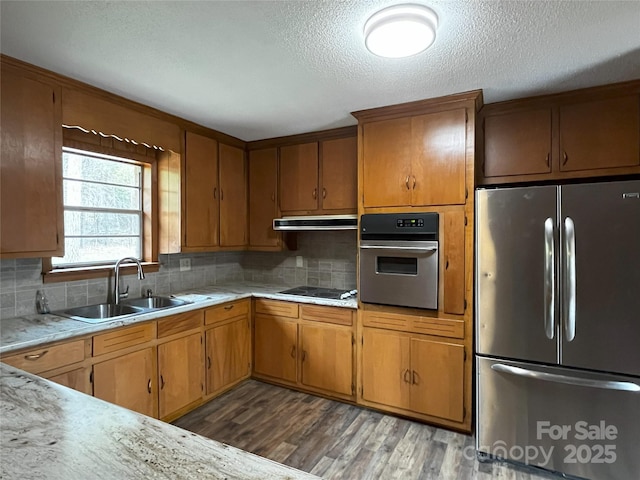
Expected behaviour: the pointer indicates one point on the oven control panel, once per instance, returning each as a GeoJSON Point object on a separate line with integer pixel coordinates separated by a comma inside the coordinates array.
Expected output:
{"type": "Point", "coordinates": [409, 222]}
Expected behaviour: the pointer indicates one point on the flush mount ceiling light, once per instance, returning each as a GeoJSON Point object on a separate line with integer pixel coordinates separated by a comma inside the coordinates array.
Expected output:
{"type": "Point", "coordinates": [400, 30]}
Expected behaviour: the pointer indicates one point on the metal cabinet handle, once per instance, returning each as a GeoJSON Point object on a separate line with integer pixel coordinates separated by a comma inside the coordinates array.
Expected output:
{"type": "Point", "coordinates": [548, 159]}
{"type": "Point", "coordinates": [406, 182]}
{"type": "Point", "coordinates": [161, 382]}
{"type": "Point", "coordinates": [273, 196]}
{"type": "Point", "coordinates": [221, 194]}
{"type": "Point", "coordinates": [36, 356]}
{"type": "Point", "coordinates": [570, 279]}
{"type": "Point", "coordinates": [414, 377]}
{"type": "Point", "coordinates": [567, 380]}
{"type": "Point", "coordinates": [293, 351]}
{"type": "Point", "coordinates": [549, 280]}
{"type": "Point", "coordinates": [414, 182]}
{"type": "Point", "coordinates": [149, 386]}
{"type": "Point", "coordinates": [215, 192]}
{"type": "Point", "coordinates": [565, 158]}
{"type": "Point", "coordinates": [324, 192]}
{"type": "Point", "coordinates": [228, 307]}
{"type": "Point", "coordinates": [304, 355]}
{"type": "Point", "coordinates": [315, 193]}
{"type": "Point", "coordinates": [406, 374]}
{"type": "Point", "coordinates": [209, 363]}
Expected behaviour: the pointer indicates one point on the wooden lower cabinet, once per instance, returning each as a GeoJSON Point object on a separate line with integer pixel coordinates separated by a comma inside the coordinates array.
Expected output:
{"type": "Point", "coordinates": [327, 358]}
{"type": "Point", "coordinates": [180, 373]}
{"type": "Point", "coordinates": [414, 373]}
{"type": "Point", "coordinates": [129, 381]}
{"type": "Point", "coordinates": [276, 340]}
{"type": "Point", "coordinates": [228, 354]}
{"type": "Point", "coordinates": [77, 379]}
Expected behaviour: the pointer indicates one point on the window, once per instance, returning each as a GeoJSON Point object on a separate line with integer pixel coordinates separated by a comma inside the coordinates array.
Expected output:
{"type": "Point", "coordinates": [103, 209]}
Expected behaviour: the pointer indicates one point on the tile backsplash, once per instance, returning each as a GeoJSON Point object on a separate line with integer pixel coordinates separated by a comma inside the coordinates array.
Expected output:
{"type": "Point", "coordinates": [328, 260]}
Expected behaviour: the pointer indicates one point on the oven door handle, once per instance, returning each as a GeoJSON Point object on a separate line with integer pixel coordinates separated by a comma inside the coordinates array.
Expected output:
{"type": "Point", "coordinates": [403, 249]}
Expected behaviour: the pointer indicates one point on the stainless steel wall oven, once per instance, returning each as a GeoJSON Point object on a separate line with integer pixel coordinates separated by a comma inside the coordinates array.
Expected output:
{"type": "Point", "coordinates": [399, 259]}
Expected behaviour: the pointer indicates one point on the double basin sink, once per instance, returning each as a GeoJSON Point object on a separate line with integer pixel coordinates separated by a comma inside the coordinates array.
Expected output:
{"type": "Point", "coordinates": [103, 312]}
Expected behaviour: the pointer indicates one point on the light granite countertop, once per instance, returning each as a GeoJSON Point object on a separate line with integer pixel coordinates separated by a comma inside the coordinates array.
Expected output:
{"type": "Point", "coordinates": [50, 431]}
{"type": "Point", "coordinates": [35, 330]}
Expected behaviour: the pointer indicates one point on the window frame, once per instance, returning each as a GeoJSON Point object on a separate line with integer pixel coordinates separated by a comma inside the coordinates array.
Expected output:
{"type": "Point", "coordinates": [93, 142]}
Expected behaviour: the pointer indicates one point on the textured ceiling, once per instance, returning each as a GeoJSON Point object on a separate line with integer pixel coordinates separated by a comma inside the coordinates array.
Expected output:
{"type": "Point", "coordinates": [260, 69]}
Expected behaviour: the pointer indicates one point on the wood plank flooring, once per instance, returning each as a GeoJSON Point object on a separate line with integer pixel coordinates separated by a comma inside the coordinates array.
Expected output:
{"type": "Point", "coordinates": [338, 441]}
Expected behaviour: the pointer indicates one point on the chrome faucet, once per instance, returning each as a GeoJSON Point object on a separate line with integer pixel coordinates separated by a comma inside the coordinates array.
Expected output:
{"type": "Point", "coordinates": [116, 288]}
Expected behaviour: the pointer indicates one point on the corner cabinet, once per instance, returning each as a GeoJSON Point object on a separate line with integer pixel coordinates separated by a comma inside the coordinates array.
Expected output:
{"type": "Point", "coordinates": [308, 347]}
{"type": "Point", "coordinates": [31, 209]}
{"type": "Point", "coordinates": [263, 201]}
{"type": "Point", "coordinates": [584, 133]}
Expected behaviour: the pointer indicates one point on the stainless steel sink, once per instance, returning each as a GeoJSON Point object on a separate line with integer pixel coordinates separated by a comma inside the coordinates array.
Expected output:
{"type": "Point", "coordinates": [101, 312]}
{"type": "Point", "coordinates": [154, 303]}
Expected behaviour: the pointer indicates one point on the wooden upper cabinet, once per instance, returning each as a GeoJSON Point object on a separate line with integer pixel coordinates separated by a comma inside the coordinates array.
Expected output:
{"type": "Point", "coordinates": [201, 209]}
{"type": "Point", "coordinates": [339, 159]}
{"type": "Point", "coordinates": [263, 207]}
{"type": "Point", "coordinates": [233, 196]}
{"type": "Point", "coordinates": [600, 134]}
{"type": "Point", "coordinates": [414, 161]}
{"type": "Point", "coordinates": [30, 167]}
{"type": "Point", "coordinates": [517, 143]}
{"type": "Point", "coordinates": [387, 163]}
{"type": "Point", "coordinates": [299, 177]}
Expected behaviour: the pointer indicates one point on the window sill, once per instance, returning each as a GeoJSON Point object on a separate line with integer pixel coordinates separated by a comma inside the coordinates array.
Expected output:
{"type": "Point", "coordinates": [85, 273]}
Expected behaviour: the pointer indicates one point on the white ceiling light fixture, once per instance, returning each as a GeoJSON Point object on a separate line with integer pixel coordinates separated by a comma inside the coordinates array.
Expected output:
{"type": "Point", "coordinates": [400, 31]}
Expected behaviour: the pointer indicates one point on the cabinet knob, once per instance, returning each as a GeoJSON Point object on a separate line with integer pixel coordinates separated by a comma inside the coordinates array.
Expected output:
{"type": "Point", "coordinates": [215, 192]}
{"type": "Point", "coordinates": [414, 182]}
{"type": "Point", "coordinates": [406, 375]}
{"type": "Point", "coordinates": [414, 377]}
{"type": "Point", "coordinates": [273, 196]}
{"type": "Point", "coordinates": [548, 160]}
{"type": "Point", "coordinates": [406, 182]}
{"type": "Point", "coordinates": [304, 355]}
{"type": "Point", "coordinates": [161, 382]}
{"type": "Point", "coordinates": [36, 356]}
{"type": "Point", "coordinates": [565, 158]}
{"type": "Point", "coordinates": [149, 386]}
{"type": "Point", "coordinates": [209, 363]}
{"type": "Point", "coordinates": [228, 307]}
{"type": "Point", "coordinates": [315, 193]}
{"type": "Point", "coordinates": [293, 351]}
{"type": "Point", "coordinates": [324, 192]}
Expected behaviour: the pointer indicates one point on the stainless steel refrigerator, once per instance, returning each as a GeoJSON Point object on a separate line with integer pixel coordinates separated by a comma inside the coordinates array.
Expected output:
{"type": "Point", "coordinates": [558, 327]}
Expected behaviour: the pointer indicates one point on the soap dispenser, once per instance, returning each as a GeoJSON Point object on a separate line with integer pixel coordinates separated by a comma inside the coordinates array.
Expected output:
{"type": "Point", "coordinates": [42, 305]}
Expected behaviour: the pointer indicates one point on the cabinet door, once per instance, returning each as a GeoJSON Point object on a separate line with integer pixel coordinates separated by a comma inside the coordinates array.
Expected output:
{"type": "Point", "coordinates": [275, 347]}
{"type": "Point", "coordinates": [339, 173]}
{"type": "Point", "coordinates": [228, 354]}
{"type": "Point", "coordinates": [453, 261]}
{"type": "Point", "coordinates": [77, 379]}
{"type": "Point", "coordinates": [299, 177]}
{"type": "Point", "coordinates": [327, 358]}
{"type": "Point", "coordinates": [600, 134]}
{"type": "Point", "coordinates": [438, 158]}
{"type": "Point", "coordinates": [30, 166]}
{"type": "Point", "coordinates": [386, 368]}
{"type": "Point", "coordinates": [263, 185]}
{"type": "Point", "coordinates": [129, 381]}
{"type": "Point", "coordinates": [201, 196]}
{"type": "Point", "coordinates": [180, 373]}
{"type": "Point", "coordinates": [517, 143]}
{"type": "Point", "coordinates": [233, 197]}
{"type": "Point", "coordinates": [437, 379]}
{"type": "Point", "coordinates": [386, 180]}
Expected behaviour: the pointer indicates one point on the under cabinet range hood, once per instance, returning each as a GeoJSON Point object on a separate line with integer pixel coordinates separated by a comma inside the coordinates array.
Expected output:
{"type": "Point", "coordinates": [316, 222]}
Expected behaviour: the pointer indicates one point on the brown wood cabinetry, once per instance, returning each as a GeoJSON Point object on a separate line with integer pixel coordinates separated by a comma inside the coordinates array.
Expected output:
{"type": "Point", "coordinates": [180, 374]}
{"type": "Point", "coordinates": [416, 160]}
{"type": "Point", "coordinates": [299, 177]}
{"type": "Point", "coordinates": [31, 211]}
{"type": "Point", "coordinates": [339, 174]}
{"type": "Point", "coordinates": [453, 261]}
{"type": "Point", "coordinates": [233, 197]}
{"type": "Point", "coordinates": [307, 346]}
{"type": "Point", "coordinates": [129, 381]}
{"type": "Point", "coordinates": [263, 202]}
{"type": "Point", "coordinates": [584, 133]}
{"type": "Point", "coordinates": [413, 373]}
{"type": "Point", "coordinates": [227, 345]}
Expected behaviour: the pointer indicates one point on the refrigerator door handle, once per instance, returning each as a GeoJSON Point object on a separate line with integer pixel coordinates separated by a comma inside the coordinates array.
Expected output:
{"type": "Point", "coordinates": [565, 379]}
{"type": "Point", "coordinates": [570, 279]}
{"type": "Point", "coordinates": [549, 280]}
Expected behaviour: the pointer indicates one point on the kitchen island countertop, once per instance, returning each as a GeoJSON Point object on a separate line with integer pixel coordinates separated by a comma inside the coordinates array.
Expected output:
{"type": "Point", "coordinates": [38, 329]}
{"type": "Point", "coordinates": [50, 431]}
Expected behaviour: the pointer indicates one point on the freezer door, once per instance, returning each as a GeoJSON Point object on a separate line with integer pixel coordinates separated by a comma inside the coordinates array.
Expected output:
{"type": "Point", "coordinates": [565, 420]}
{"type": "Point", "coordinates": [517, 248]}
{"type": "Point", "coordinates": [601, 275]}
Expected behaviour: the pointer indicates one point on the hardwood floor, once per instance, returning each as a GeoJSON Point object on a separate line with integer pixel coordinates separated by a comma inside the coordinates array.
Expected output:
{"type": "Point", "coordinates": [338, 441]}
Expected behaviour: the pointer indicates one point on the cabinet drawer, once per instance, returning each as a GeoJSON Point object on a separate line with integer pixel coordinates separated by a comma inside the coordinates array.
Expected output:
{"type": "Point", "coordinates": [277, 308]}
{"type": "Point", "coordinates": [179, 323]}
{"type": "Point", "coordinates": [441, 327]}
{"type": "Point", "coordinates": [226, 311]}
{"type": "Point", "coordinates": [48, 358]}
{"type": "Point", "coordinates": [339, 316]}
{"type": "Point", "coordinates": [123, 338]}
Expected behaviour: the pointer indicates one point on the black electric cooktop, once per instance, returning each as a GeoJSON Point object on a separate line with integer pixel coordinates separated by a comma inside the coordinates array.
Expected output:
{"type": "Point", "coordinates": [319, 292]}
